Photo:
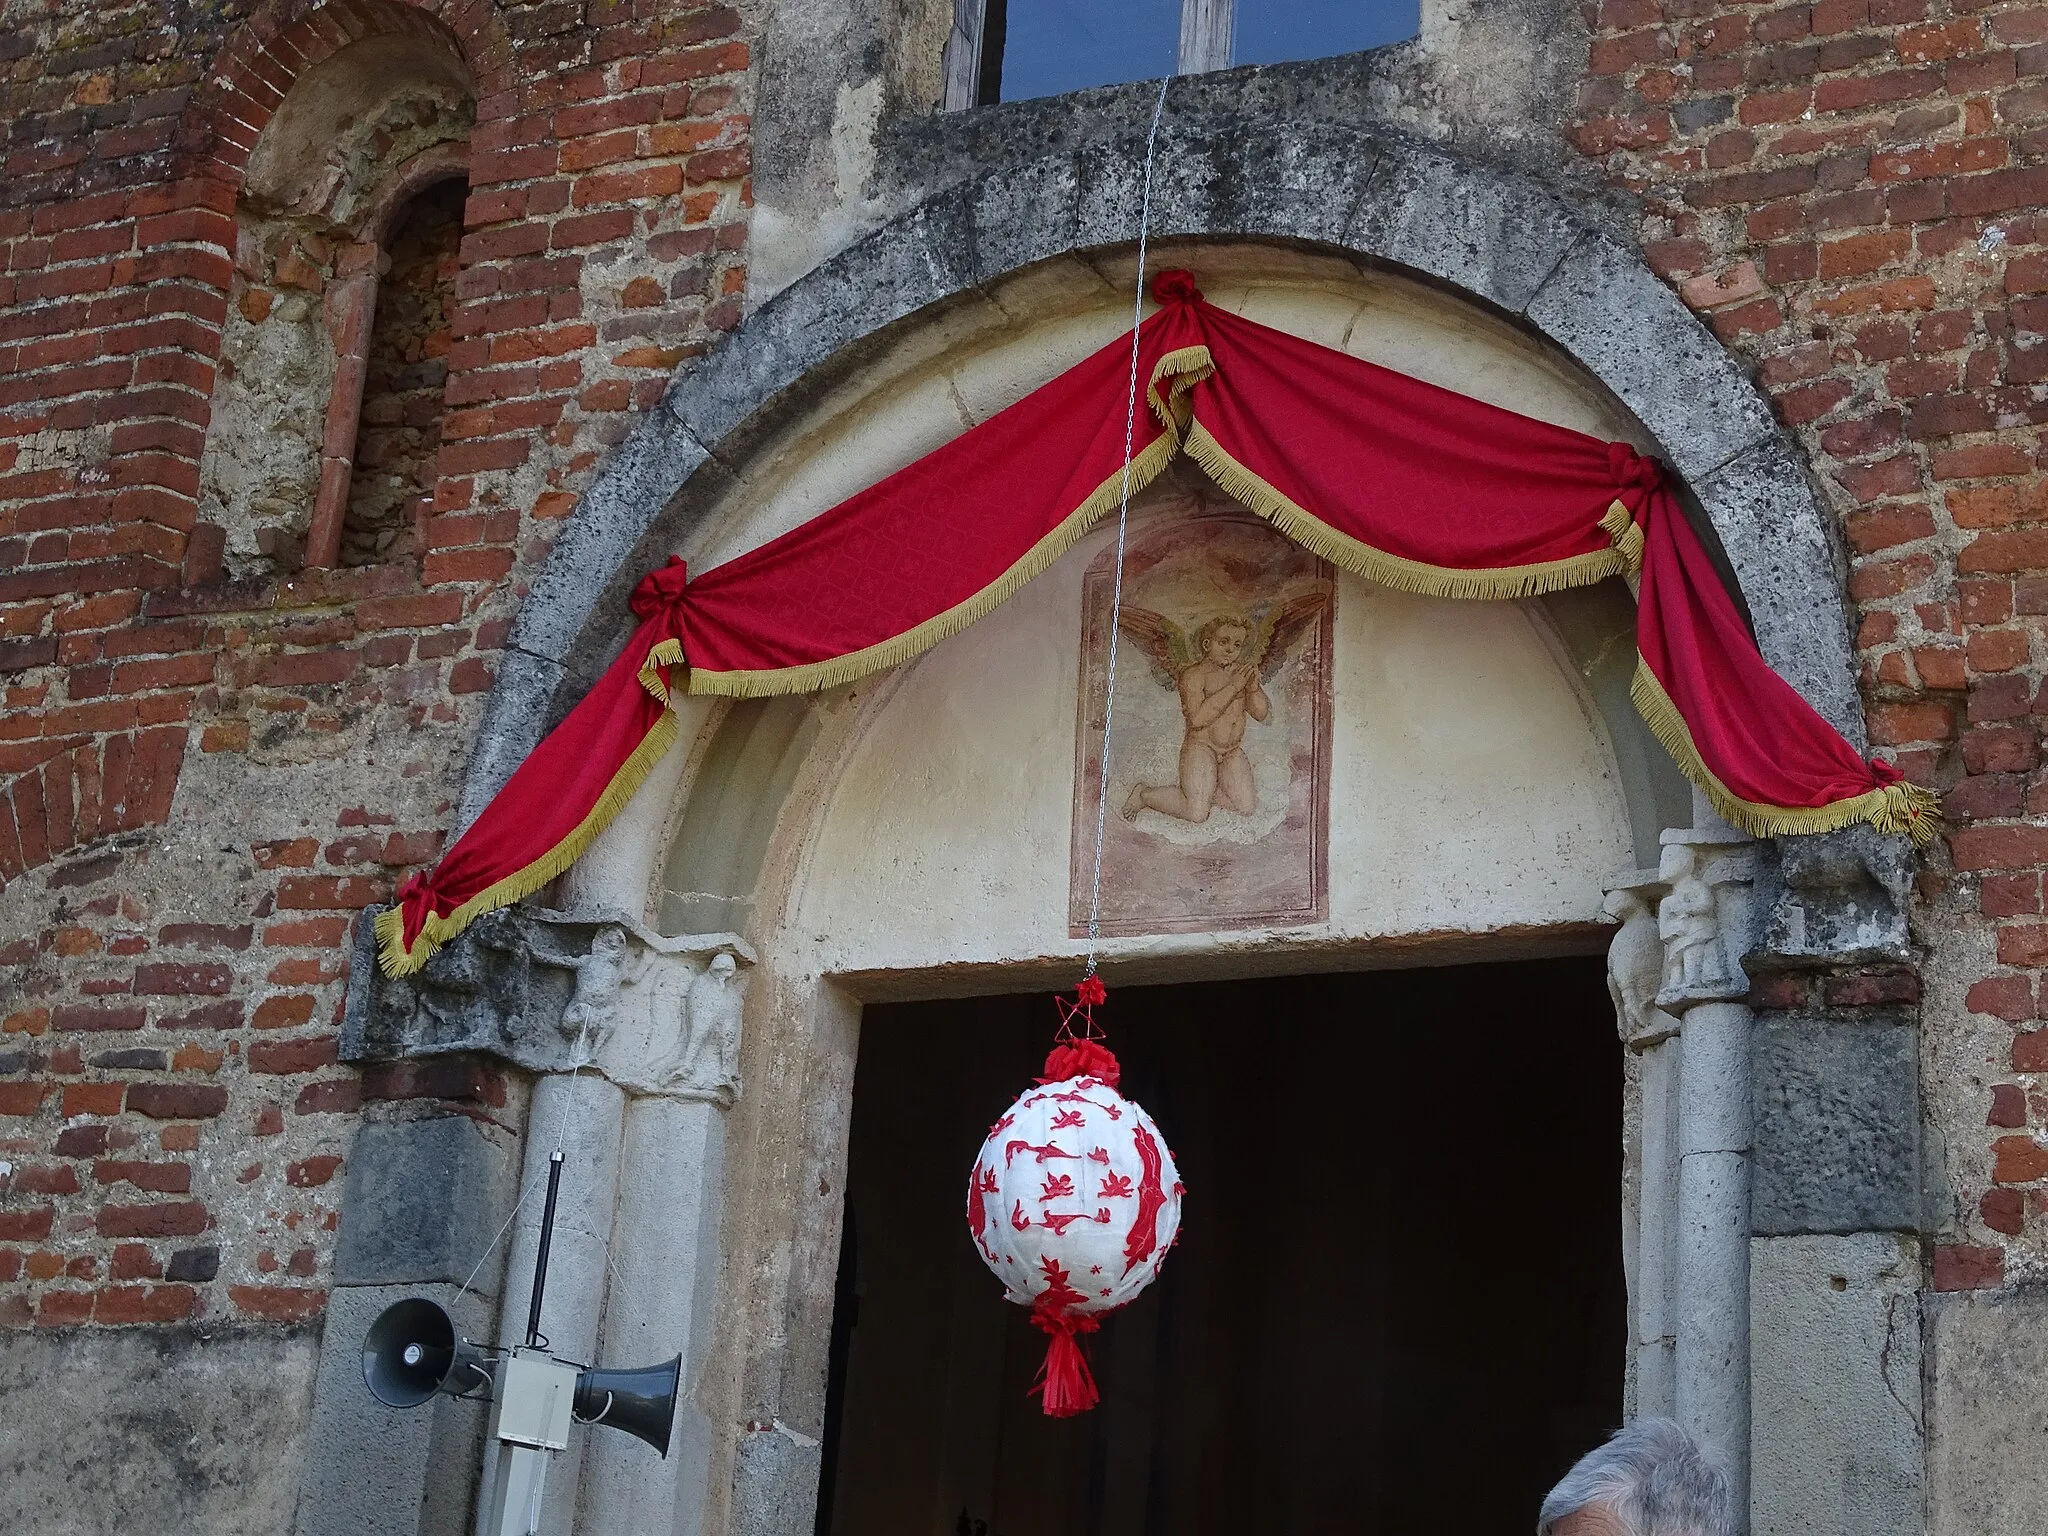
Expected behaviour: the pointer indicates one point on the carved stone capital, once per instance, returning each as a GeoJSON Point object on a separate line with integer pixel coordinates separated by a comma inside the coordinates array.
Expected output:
{"type": "Point", "coordinates": [1705, 917]}
{"type": "Point", "coordinates": [561, 992]}
{"type": "Point", "coordinates": [1685, 927]}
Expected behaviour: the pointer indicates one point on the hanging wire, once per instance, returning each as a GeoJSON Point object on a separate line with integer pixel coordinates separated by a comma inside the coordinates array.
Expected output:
{"type": "Point", "coordinates": [1123, 517]}
{"type": "Point", "coordinates": [583, 1059]}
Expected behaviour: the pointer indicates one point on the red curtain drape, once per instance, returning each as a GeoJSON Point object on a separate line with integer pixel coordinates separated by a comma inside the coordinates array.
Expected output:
{"type": "Point", "coordinates": [1399, 481]}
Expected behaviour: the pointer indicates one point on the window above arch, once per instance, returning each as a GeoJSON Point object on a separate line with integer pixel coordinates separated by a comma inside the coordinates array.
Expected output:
{"type": "Point", "coordinates": [1010, 50]}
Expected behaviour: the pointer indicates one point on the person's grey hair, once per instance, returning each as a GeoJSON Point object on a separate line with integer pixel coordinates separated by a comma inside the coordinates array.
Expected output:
{"type": "Point", "coordinates": [1653, 1478]}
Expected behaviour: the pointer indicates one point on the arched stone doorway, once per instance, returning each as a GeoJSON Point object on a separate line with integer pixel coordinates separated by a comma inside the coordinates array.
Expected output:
{"type": "Point", "coordinates": [794, 821]}
{"type": "Point", "coordinates": [913, 836]}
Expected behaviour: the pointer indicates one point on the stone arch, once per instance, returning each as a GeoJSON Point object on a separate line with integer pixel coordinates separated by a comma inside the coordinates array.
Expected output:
{"type": "Point", "coordinates": [1489, 236]}
{"type": "Point", "coordinates": [254, 71]}
{"type": "Point", "coordinates": [350, 113]}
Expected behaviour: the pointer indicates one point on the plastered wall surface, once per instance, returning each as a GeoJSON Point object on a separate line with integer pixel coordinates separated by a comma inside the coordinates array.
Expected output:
{"type": "Point", "coordinates": [1469, 790]}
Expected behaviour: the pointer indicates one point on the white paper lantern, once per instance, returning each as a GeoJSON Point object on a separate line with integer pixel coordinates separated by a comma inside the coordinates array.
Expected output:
{"type": "Point", "coordinates": [1073, 1203]}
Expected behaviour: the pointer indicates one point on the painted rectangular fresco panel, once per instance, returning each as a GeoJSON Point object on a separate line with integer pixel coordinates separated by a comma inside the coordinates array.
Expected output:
{"type": "Point", "coordinates": [1217, 813]}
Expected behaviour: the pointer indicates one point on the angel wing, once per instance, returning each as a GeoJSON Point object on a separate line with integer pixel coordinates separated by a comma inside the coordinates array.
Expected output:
{"type": "Point", "coordinates": [1279, 624]}
{"type": "Point", "coordinates": [1164, 642]}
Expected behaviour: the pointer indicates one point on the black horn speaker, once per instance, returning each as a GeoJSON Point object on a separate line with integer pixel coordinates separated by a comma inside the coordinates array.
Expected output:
{"type": "Point", "coordinates": [412, 1351]}
{"type": "Point", "coordinates": [642, 1402]}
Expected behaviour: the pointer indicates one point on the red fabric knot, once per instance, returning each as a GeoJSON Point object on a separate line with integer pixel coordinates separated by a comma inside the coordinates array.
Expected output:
{"type": "Point", "coordinates": [660, 589]}
{"type": "Point", "coordinates": [1082, 1058]}
{"type": "Point", "coordinates": [1175, 286]}
{"type": "Point", "coordinates": [1632, 470]}
{"type": "Point", "coordinates": [1091, 993]}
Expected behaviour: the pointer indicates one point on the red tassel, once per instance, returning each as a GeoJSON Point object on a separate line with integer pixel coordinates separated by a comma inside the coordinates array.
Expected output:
{"type": "Point", "coordinates": [1065, 1385]}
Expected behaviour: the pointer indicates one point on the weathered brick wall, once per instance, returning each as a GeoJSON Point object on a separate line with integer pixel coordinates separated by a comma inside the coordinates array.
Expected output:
{"type": "Point", "coordinates": [201, 779]}
{"type": "Point", "coordinates": [1849, 192]}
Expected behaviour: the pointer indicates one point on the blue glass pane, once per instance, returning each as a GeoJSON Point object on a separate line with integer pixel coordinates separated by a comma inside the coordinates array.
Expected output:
{"type": "Point", "coordinates": [1066, 45]}
{"type": "Point", "coordinates": [1269, 31]}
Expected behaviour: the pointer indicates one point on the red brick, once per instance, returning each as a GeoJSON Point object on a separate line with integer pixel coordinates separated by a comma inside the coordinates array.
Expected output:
{"type": "Point", "coordinates": [161, 1178]}
{"type": "Point", "coordinates": [92, 1099]}
{"type": "Point", "coordinates": [22, 1098]}
{"type": "Point", "coordinates": [2008, 1107]}
{"type": "Point", "coordinates": [1960, 1267]}
{"type": "Point", "coordinates": [60, 1309]}
{"type": "Point", "coordinates": [27, 1226]}
{"type": "Point", "coordinates": [144, 1304]}
{"type": "Point", "coordinates": [2006, 896]}
{"type": "Point", "coordinates": [337, 1096]}
{"type": "Point", "coordinates": [1999, 847]}
{"type": "Point", "coordinates": [311, 1172]}
{"type": "Point", "coordinates": [307, 933]}
{"type": "Point", "coordinates": [174, 1218]}
{"type": "Point", "coordinates": [177, 1101]}
{"type": "Point", "coordinates": [98, 1017]}
{"type": "Point", "coordinates": [313, 893]}
{"type": "Point", "coordinates": [278, 1303]}
{"type": "Point", "coordinates": [291, 1056]}
{"type": "Point", "coordinates": [285, 1011]}
{"type": "Point", "coordinates": [165, 979]}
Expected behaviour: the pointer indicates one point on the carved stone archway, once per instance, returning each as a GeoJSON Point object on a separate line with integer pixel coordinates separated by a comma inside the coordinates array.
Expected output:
{"type": "Point", "coordinates": [1377, 200]}
{"type": "Point", "coordinates": [1489, 235]}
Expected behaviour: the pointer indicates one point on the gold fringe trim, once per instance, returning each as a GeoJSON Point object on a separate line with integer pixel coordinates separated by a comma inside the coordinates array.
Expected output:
{"type": "Point", "coordinates": [397, 960]}
{"type": "Point", "coordinates": [1891, 808]}
{"type": "Point", "coordinates": [1621, 529]}
{"type": "Point", "coordinates": [1146, 467]}
{"type": "Point", "coordinates": [1188, 366]}
{"type": "Point", "coordinates": [1377, 565]}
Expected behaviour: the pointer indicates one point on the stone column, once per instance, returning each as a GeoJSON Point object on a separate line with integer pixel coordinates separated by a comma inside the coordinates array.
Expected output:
{"type": "Point", "coordinates": [1635, 972]}
{"type": "Point", "coordinates": [665, 1258]}
{"type": "Point", "coordinates": [634, 1040]}
{"type": "Point", "coordinates": [664, 1285]}
{"type": "Point", "coordinates": [1704, 921]}
{"type": "Point", "coordinates": [583, 1114]}
{"type": "Point", "coordinates": [1679, 990]}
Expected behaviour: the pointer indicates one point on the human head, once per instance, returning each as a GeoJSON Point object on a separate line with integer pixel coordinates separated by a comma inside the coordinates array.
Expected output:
{"type": "Point", "coordinates": [1651, 1479]}
{"type": "Point", "coordinates": [1226, 635]}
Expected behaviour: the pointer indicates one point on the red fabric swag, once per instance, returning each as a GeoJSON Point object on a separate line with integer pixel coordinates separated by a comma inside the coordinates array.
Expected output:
{"type": "Point", "coordinates": [564, 794]}
{"type": "Point", "coordinates": [1399, 481]}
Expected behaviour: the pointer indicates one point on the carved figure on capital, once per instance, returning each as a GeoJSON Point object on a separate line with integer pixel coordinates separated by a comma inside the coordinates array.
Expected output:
{"type": "Point", "coordinates": [1635, 964]}
{"type": "Point", "coordinates": [1685, 926]}
{"type": "Point", "coordinates": [601, 976]}
{"type": "Point", "coordinates": [1689, 926]}
{"type": "Point", "coordinates": [706, 1064]}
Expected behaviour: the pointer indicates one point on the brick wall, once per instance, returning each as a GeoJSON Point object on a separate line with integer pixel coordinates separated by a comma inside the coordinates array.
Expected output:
{"type": "Point", "coordinates": [201, 779]}
{"type": "Point", "coordinates": [1848, 191]}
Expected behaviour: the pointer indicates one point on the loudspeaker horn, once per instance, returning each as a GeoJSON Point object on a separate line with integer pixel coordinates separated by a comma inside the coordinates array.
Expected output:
{"type": "Point", "coordinates": [412, 1351]}
{"type": "Point", "coordinates": [642, 1402]}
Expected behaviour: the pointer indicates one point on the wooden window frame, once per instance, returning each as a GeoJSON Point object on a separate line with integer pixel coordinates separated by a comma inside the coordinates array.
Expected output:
{"type": "Point", "coordinates": [1207, 31]}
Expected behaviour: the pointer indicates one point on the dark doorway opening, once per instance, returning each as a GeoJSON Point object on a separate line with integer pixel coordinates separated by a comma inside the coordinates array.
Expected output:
{"type": "Point", "coordinates": [1397, 1304]}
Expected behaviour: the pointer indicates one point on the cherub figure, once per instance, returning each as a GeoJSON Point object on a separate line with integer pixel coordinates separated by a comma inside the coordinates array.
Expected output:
{"type": "Point", "coordinates": [1219, 677]}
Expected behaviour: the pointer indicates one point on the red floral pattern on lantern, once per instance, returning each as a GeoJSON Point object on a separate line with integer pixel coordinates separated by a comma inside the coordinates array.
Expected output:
{"type": "Point", "coordinates": [1059, 1224]}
